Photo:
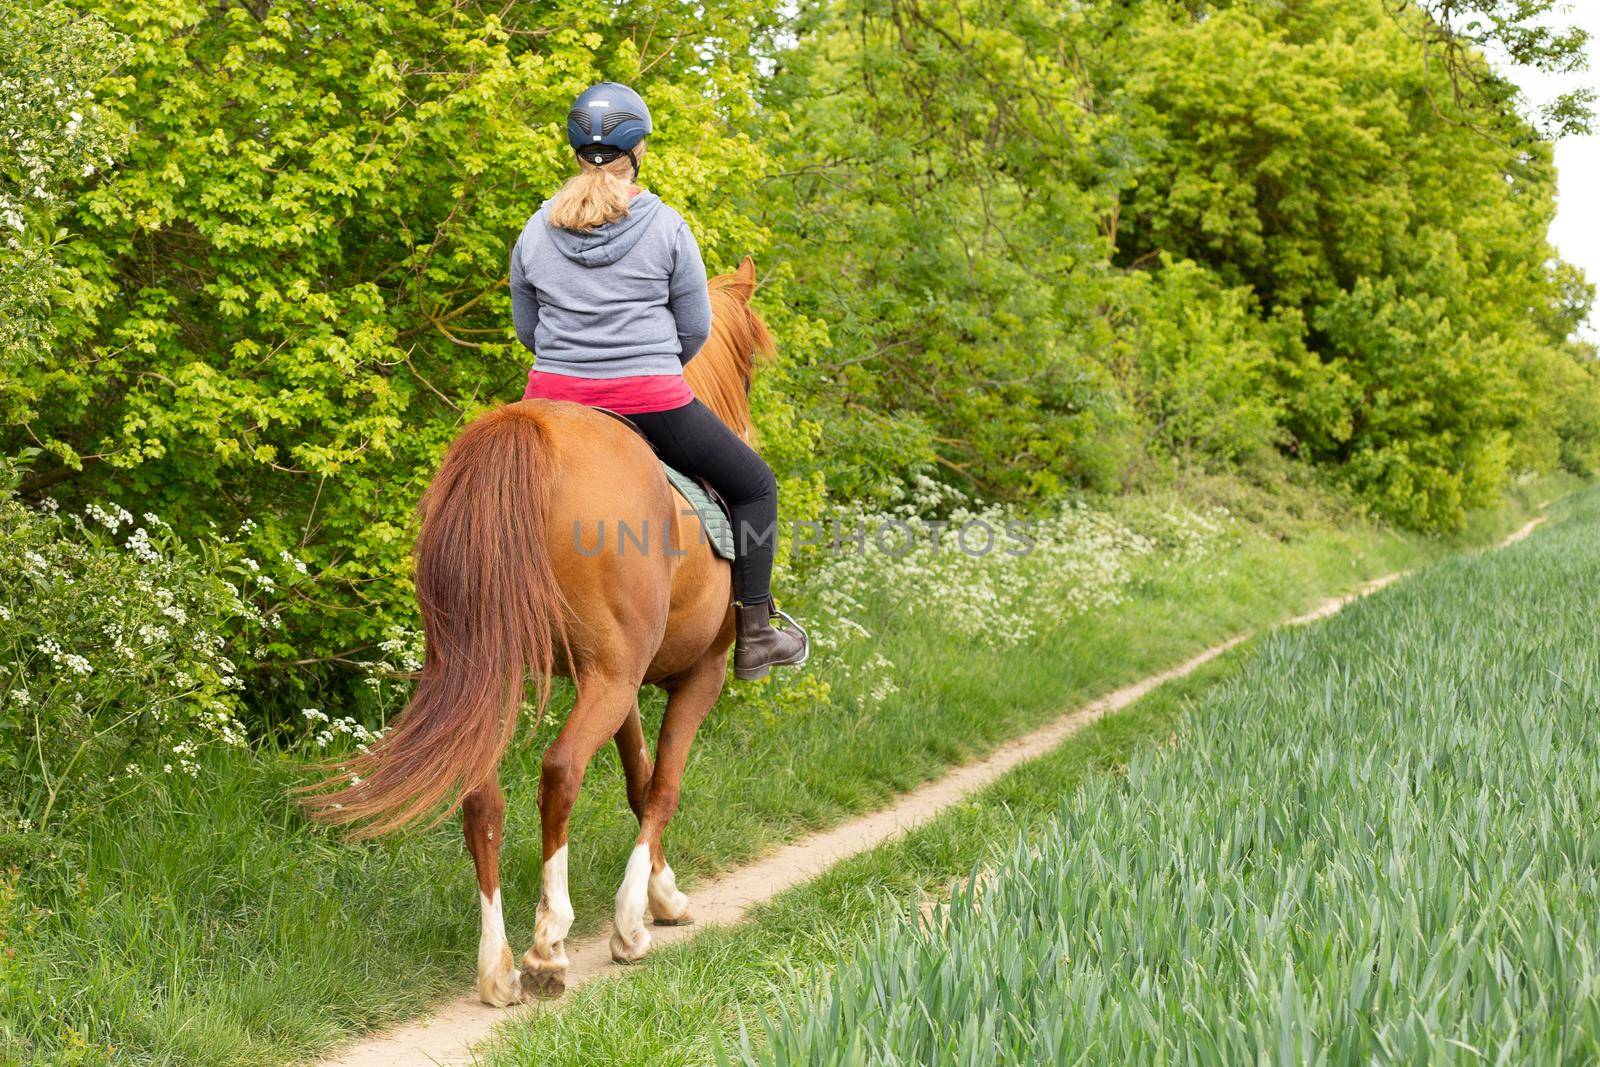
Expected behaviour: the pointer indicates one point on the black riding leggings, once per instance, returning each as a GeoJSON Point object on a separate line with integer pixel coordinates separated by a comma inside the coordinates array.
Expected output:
{"type": "Point", "coordinates": [699, 444]}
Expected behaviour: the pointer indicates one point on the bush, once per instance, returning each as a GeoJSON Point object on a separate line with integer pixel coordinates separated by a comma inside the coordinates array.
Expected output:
{"type": "Point", "coordinates": [995, 576]}
{"type": "Point", "coordinates": [112, 652]}
{"type": "Point", "coordinates": [56, 134]}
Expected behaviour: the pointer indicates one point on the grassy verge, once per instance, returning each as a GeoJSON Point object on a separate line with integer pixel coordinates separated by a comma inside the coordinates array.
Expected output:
{"type": "Point", "coordinates": [1396, 866]}
{"type": "Point", "coordinates": [209, 926]}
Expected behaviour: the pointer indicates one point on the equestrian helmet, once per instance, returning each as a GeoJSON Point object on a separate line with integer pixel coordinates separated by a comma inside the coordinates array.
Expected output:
{"type": "Point", "coordinates": [606, 121]}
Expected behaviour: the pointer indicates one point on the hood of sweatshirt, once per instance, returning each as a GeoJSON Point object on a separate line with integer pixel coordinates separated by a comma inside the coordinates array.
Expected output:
{"type": "Point", "coordinates": [610, 242]}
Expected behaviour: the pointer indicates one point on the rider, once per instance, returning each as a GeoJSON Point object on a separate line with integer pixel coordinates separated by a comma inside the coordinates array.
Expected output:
{"type": "Point", "coordinates": [608, 288]}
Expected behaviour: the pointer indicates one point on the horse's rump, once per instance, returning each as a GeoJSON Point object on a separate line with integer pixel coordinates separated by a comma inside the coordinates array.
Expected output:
{"type": "Point", "coordinates": [551, 540]}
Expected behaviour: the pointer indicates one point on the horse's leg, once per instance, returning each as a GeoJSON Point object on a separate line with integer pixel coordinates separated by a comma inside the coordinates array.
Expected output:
{"type": "Point", "coordinates": [636, 765]}
{"type": "Point", "coordinates": [602, 705]}
{"type": "Point", "coordinates": [483, 820]}
{"type": "Point", "coordinates": [649, 882]}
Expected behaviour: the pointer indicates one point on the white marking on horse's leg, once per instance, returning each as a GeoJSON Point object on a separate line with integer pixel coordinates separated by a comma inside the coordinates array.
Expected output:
{"type": "Point", "coordinates": [499, 981]}
{"type": "Point", "coordinates": [554, 919]}
{"type": "Point", "coordinates": [667, 905]}
{"type": "Point", "coordinates": [630, 940]}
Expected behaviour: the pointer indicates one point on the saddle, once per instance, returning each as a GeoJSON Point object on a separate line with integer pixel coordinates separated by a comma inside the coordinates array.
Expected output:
{"type": "Point", "coordinates": [715, 518]}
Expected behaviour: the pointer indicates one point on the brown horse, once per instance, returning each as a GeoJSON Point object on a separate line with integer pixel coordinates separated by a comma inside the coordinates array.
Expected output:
{"type": "Point", "coordinates": [522, 566]}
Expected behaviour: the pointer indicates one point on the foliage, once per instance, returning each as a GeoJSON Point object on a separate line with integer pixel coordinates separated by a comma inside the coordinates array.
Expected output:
{"type": "Point", "coordinates": [1412, 246]}
{"type": "Point", "coordinates": [1527, 33]}
{"type": "Point", "coordinates": [1208, 376]}
{"type": "Point", "coordinates": [291, 293]}
{"type": "Point", "coordinates": [1397, 863]}
{"type": "Point", "coordinates": [994, 579]}
{"type": "Point", "coordinates": [112, 653]}
{"type": "Point", "coordinates": [1076, 244]}
{"type": "Point", "coordinates": [940, 208]}
{"type": "Point", "coordinates": [1432, 441]}
{"type": "Point", "coordinates": [53, 134]}
{"type": "Point", "coordinates": [1025, 248]}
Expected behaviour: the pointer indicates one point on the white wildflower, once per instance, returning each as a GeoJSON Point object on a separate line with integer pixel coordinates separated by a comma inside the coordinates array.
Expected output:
{"type": "Point", "coordinates": [141, 548]}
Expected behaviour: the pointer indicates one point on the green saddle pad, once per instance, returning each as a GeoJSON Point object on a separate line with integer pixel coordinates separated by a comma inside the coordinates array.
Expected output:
{"type": "Point", "coordinates": [718, 529]}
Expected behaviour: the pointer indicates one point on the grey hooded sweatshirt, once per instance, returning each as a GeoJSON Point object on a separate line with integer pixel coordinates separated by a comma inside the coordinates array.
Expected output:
{"type": "Point", "coordinates": [627, 299]}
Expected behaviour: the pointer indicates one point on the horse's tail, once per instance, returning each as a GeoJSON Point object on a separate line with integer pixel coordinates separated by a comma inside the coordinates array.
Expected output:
{"type": "Point", "coordinates": [491, 611]}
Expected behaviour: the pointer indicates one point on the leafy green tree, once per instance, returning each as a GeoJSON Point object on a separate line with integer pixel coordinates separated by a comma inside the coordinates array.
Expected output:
{"type": "Point", "coordinates": [291, 293]}
{"type": "Point", "coordinates": [1529, 33]}
{"type": "Point", "coordinates": [1300, 151]}
{"type": "Point", "coordinates": [943, 205]}
{"type": "Point", "coordinates": [1207, 376]}
{"type": "Point", "coordinates": [1070, 244]}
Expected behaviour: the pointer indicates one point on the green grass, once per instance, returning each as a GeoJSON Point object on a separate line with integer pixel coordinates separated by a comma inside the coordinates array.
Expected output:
{"type": "Point", "coordinates": [211, 926]}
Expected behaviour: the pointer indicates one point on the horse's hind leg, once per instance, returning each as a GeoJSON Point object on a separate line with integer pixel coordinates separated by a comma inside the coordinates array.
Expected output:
{"type": "Point", "coordinates": [602, 705]}
{"type": "Point", "coordinates": [636, 765]}
{"type": "Point", "coordinates": [483, 818]}
{"type": "Point", "coordinates": [667, 906]}
{"type": "Point", "coordinates": [649, 882]}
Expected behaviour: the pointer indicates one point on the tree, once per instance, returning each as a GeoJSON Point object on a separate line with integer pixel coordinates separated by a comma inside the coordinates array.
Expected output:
{"type": "Point", "coordinates": [1299, 150]}
{"type": "Point", "coordinates": [947, 183]}
{"type": "Point", "coordinates": [291, 293]}
{"type": "Point", "coordinates": [1457, 34]}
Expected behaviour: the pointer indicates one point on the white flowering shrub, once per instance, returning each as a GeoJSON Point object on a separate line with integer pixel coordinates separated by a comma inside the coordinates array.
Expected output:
{"type": "Point", "coordinates": [112, 652]}
{"type": "Point", "coordinates": [987, 575]}
{"type": "Point", "coordinates": [324, 732]}
{"type": "Point", "coordinates": [53, 136]}
{"type": "Point", "coordinates": [385, 687]}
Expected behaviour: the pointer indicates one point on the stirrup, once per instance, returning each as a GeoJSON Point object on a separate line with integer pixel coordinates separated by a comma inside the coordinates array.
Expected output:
{"type": "Point", "coordinates": [772, 607]}
{"type": "Point", "coordinates": [794, 629]}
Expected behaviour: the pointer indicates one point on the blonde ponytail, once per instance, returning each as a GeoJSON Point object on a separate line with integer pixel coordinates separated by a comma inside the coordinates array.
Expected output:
{"type": "Point", "coordinates": [594, 196]}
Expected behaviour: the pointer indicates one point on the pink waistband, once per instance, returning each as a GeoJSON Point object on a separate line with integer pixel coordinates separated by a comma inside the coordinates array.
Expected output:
{"type": "Point", "coordinates": [625, 396]}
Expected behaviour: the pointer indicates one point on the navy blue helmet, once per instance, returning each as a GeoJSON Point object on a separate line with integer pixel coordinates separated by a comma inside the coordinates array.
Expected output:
{"type": "Point", "coordinates": [608, 120]}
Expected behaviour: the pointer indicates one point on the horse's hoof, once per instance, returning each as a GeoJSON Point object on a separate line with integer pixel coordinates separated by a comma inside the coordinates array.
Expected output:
{"type": "Point", "coordinates": [543, 985]}
{"type": "Point", "coordinates": [501, 992]}
{"type": "Point", "coordinates": [668, 907]}
{"type": "Point", "coordinates": [630, 950]}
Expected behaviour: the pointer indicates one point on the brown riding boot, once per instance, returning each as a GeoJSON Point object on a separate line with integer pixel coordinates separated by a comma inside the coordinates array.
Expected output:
{"type": "Point", "coordinates": [761, 645]}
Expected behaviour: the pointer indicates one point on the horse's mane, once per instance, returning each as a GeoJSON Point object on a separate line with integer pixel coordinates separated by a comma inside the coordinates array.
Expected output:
{"type": "Point", "coordinates": [721, 373]}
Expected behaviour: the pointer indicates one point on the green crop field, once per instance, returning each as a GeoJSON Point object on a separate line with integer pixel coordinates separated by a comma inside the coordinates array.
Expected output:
{"type": "Point", "coordinates": [1375, 843]}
